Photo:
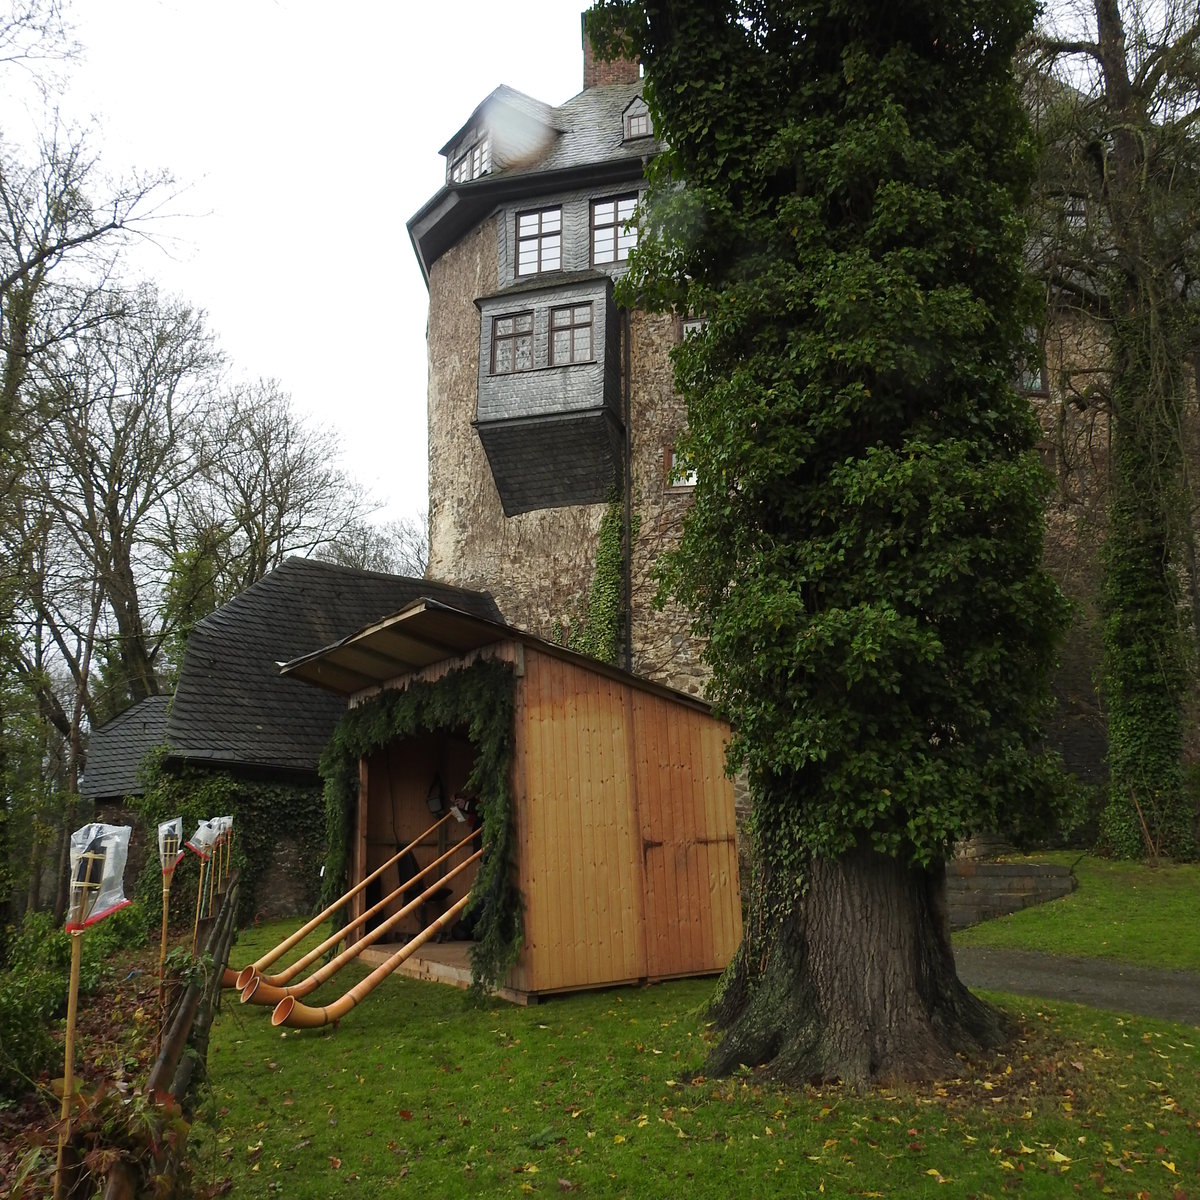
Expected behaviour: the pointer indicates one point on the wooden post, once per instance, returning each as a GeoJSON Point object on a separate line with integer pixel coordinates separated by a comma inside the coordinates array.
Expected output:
{"type": "Point", "coordinates": [199, 904]}
{"type": "Point", "coordinates": [69, 1068]}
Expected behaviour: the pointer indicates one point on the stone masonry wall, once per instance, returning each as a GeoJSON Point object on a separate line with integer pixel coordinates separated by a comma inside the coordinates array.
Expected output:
{"type": "Point", "coordinates": [538, 565]}
{"type": "Point", "coordinates": [978, 891]}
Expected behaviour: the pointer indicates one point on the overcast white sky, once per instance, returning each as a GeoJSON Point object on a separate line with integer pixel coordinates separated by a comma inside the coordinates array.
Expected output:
{"type": "Point", "coordinates": [303, 135]}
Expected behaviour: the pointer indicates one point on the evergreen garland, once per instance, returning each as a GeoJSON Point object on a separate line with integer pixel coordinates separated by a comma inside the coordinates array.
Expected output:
{"type": "Point", "coordinates": [479, 700]}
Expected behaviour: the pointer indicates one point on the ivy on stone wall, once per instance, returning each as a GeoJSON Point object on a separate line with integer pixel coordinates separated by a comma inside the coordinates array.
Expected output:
{"type": "Point", "coordinates": [598, 632]}
{"type": "Point", "coordinates": [477, 700]}
{"type": "Point", "coordinates": [263, 812]}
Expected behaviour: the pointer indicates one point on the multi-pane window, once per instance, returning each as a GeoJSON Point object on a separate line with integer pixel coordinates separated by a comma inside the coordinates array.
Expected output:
{"type": "Point", "coordinates": [539, 241]}
{"type": "Point", "coordinates": [1033, 380]}
{"type": "Point", "coordinates": [571, 334]}
{"type": "Point", "coordinates": [512, 343]}
{"type": "Point", "coordinates": [611, 241]}
{"type": "Point", "coordinates": [477, 161]}
{"type": "Point", "coordinates": [637, 124]}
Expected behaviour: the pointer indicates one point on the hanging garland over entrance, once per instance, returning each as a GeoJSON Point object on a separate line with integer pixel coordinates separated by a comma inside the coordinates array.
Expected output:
{"type": "Point", "coordinates": [479, 700]}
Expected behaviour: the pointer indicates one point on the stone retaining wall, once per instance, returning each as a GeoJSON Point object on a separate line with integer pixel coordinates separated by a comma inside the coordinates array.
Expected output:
{"type": "Point", "coordinates": [978, 891]}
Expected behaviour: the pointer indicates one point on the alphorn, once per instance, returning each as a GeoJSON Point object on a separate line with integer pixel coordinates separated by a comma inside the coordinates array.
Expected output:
{"type": "Point", "coordinates": [289, 1011]}
{"type": "Point", "coordinates": [267, 959]}
{"type": "Point", "coordinates": [258, 992]}
{"type": "Point", "coordinates": [288, 973]}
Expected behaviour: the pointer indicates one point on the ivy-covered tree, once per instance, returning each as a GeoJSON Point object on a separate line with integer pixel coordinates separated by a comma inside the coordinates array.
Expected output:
{"type": "Point", "coordinates": [1116, 88]}
{"type": "Point", "coordinates": [863, 551]}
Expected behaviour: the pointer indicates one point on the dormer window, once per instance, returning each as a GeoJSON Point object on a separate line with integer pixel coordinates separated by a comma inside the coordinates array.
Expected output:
{"type": "Point", "coordinates": [637, 120]}
{"type": "Point", "coordinates": [475, 162]}
{"type": "Point", "coordinates": [539, 241]}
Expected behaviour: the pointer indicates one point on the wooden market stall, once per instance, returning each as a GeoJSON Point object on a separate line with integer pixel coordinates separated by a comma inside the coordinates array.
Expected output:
{"type": "Point", "coordinates": [625, 843]}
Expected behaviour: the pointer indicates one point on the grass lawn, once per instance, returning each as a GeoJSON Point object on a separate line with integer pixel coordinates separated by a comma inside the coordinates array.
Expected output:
{"type": "Point", "coordinates": [1120, 910]}
{"type": "Point", "coordinates": [417, 1092]}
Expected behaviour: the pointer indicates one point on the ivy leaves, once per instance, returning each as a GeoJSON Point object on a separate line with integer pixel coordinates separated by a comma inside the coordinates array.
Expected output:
{"type": "Point", "coordinates": [477, 700]}
{"type": "Point", "coordinates": [862, 553]}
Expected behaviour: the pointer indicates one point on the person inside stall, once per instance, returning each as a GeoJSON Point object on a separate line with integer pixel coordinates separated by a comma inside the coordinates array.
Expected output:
{"type": "Point", "coordinates": [465, 810]}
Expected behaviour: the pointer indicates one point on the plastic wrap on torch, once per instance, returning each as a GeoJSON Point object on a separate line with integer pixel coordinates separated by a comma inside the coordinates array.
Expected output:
{"type": "Point", "coordinates": [170, 844]}
{"type": "Point", "coordinates": [98, 854]}
{"type": "Point", "coordinates": [200, 843]}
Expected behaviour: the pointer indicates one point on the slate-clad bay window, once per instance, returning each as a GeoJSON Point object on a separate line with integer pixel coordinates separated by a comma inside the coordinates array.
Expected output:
{"type": "Point", "coordinates": [476, 162]}
{"type": "Point", "coordinates": [512, 343]}
{"type": "Point", "coordinates": [571, 335]}
{"type": "Point", "coordinates": [539, 241]}
{"type": "Point", "coordinates": [611, 241]}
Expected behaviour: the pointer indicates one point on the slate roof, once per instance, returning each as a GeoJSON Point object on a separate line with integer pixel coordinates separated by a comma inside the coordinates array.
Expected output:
{"type": "Point", "coordinates": [593, 128]}
{"type": "Point", "coordinates": [116, 749]}
{"type": "Point", "coordinates": [233, 708]}
{"type": "Point", "coordinates": [589, 147]}
{"type": "Point", "coordinates": [490, 110]}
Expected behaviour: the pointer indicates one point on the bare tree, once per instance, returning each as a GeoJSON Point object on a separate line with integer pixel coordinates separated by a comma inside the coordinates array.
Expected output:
{"type": "Point", "coordinates": [115, 457]}
{"type": "Point", "coordinates": [271, 484]}
{"type": "Point", "coordinates": [395, 547]}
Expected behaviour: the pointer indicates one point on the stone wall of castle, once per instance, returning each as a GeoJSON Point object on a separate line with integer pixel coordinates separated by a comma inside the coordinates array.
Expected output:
{"type": "Point", "coordinates": [539, 566]}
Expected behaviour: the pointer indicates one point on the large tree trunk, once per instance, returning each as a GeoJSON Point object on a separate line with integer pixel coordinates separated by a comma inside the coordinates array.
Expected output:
{"type": "Point", "coordinates": [855, 981]}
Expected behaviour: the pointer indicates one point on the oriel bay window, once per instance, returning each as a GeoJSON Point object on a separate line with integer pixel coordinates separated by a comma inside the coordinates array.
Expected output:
{"type": "Point", "coordinates": [571, 335]}
{"type": "Point", "coordinates": [611, 241]}
{"type": "Point", "coordinates": [539, 241]}
{"type": "Point", "coordinates": [512, 343]}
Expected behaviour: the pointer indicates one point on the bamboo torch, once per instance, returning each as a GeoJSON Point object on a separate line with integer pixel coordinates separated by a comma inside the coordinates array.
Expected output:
{"type": "Point", "coordinates": [170, 851]}
{"type": "Point", "coordinates": [200, 844]}
{"type": "Point", "coordinates": [227, 844]}
{"type": "Point", "coordinates": [97, 868]}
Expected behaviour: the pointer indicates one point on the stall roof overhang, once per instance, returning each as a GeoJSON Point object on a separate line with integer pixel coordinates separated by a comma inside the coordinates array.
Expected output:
{"type": "Point", "coordinates": [416, 637]}
{"type": "Point", "coordinates": [428, 632]}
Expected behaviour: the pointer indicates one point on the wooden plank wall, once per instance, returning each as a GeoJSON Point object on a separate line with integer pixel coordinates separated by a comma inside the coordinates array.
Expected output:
{"type": "Point", "coordinates": [626, 831]}
{"type": "Point", "coordinates": [687, 831]}
{"type": "Point", "coordinates": [576, 831]}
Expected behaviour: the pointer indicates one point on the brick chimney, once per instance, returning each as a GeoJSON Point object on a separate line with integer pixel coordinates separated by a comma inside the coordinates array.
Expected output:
{"type": "Point", "coordinates": [596, 72]}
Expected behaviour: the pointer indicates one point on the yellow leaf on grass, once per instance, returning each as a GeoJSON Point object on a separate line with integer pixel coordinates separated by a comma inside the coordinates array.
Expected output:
{"type": "Point", "coordinates": [1007, 1165]}
{"type": "Point", "coordinates": [1057, 1156]}
{"type": "Point", "coordinates": [620, 1137]}
{"type": "Point", "coordinates": [1024, 1149]}
{"type": "Point", "coordinates": [1169, 1165]}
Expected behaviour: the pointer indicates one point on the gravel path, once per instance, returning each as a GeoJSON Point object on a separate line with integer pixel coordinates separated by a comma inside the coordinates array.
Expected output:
{"type": "Point", "coordinates": [1100, 983]}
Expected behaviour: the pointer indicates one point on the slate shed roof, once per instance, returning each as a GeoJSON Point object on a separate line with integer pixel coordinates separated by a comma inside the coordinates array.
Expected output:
{"type": "Point", "coordinates": [116, 749]}
{"type": "Point", "coordinates": [233, 708]}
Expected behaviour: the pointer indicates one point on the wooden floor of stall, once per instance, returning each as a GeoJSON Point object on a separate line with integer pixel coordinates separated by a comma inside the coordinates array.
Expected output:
{"type": "Point", "coordinates": [438, 962]}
